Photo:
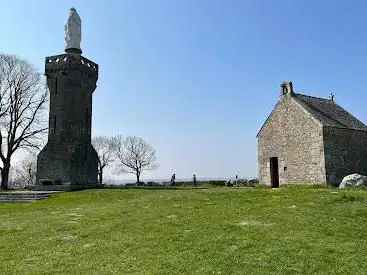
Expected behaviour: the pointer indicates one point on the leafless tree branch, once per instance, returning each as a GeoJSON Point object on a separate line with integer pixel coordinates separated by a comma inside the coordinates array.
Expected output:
{"type": "Point", "coordinates": [25, 170]}
{"type": "Point", "coordinates": [135, 156]}
{"type": "Point", "coordinates": [105, 148]}
{"type": "Point", "coordinates": [23, 98]}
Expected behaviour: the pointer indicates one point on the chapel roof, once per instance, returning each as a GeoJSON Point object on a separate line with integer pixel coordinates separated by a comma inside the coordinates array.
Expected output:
{"type": "Point", "coordinates": [329, 113]}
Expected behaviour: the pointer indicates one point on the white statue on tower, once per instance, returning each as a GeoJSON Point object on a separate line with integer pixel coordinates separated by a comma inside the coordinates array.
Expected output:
{"type": "Point", "coordinates": [73, 31]}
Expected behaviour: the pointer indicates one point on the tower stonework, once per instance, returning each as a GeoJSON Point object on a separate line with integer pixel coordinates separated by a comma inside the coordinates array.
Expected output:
{"type": "Point", "coordinates": [69, 157]}
{"type": "Point", "coordinates": [69, 161]}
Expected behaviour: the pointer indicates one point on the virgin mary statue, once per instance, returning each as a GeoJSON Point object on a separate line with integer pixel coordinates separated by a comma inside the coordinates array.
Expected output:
{"type": "Point", "coordinates": [73, 31]}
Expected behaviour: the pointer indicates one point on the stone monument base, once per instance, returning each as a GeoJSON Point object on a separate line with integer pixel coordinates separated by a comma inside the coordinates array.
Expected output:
{"type": "Point", "coordinates": [67, 187]}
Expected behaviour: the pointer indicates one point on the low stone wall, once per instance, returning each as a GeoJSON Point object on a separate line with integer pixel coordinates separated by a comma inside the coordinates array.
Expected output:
{"type": "Point", "coordinates": [72, 187]}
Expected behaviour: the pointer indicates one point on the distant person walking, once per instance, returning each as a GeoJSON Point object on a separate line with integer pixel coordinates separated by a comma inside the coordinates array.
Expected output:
{"type": "Point", "coordinates": [236, 181]}
{"type": "Point", "coordinates": [194, 180]}
{"type": "Point", "coordinates": [173, 179]}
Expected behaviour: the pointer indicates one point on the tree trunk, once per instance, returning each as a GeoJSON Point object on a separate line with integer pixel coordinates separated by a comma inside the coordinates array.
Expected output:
{"type": "Point", "coordinates": [100, 175]}
{"type": "Point", "coordinates": [29, 183]}
{"type": "Point", "coordinates": [5, 176]}
{"type": "Point", "coordinates": [137, 178]}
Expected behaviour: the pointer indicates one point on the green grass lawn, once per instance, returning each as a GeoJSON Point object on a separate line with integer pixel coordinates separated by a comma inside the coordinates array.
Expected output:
{"type": "Point", "coordinates": [291, 230]}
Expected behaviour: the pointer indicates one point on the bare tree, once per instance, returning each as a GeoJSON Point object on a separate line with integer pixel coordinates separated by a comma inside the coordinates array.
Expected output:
{"type": "Point", "coordinates": [106, 150]}
{"type": "Point", "coordinates": [23, 96]}
{"type": "Point", "coordinates": [25, 171]}
{"type": "Point", "coordinates": [134, 156]}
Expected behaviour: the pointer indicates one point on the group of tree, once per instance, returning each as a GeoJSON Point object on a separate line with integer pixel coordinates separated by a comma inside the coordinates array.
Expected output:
{"type": "Point", "coordinates": [127, 155]}
{"type": "Point", "coordinates": [23, 98]}
{"type": "Point", "coordinates": [23, 126]}
{"type": "Point", "coordinates": [23, 172]}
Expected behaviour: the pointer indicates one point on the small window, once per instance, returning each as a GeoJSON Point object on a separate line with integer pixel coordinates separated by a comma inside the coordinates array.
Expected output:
{"type": "Point", "coordinates": [54, 124]}
{"type": "Point", "coordinates": [56, 86]}
{"type": "Point", "coordinates": [285, 168]}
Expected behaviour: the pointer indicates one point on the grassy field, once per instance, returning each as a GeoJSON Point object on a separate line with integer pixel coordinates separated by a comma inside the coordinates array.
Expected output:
{"type": "Point", "coordinates": [291, 230]}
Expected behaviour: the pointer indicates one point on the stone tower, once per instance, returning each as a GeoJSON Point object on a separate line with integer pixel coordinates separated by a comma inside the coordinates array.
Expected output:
{"type": "Point", "coordinates": [69, 161]}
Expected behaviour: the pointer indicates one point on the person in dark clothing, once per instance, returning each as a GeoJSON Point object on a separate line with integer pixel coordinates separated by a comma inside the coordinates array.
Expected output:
{"type": "Point", "coordinates": [173, 179]}
{"type": "Point", "coordinates": [194, 180]}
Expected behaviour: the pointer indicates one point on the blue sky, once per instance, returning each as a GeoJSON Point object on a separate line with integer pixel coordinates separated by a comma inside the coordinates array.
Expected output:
{"type": "Point", "coordinates": [197, 78]}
